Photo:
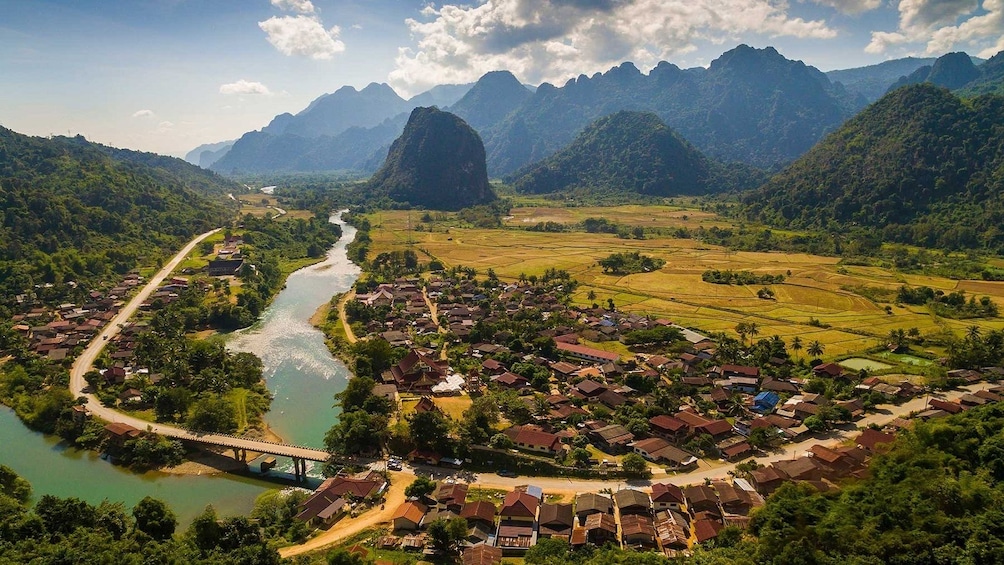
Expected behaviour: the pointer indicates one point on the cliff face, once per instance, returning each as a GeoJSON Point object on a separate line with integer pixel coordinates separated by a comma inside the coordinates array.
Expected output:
{"type": "Point", "coordinates": [438, 162]}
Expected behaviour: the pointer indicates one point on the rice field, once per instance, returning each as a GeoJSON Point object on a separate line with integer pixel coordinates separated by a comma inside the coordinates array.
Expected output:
{"type": "Point", "coordinates": [813, 303]}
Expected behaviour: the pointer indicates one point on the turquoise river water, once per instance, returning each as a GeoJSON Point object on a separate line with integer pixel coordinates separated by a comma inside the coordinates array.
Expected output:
{"type": "Point", "coordinates": [298, 369]}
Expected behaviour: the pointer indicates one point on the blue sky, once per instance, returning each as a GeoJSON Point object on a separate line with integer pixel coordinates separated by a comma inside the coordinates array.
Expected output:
{"type": "Point", "coordinates": [167, 75]}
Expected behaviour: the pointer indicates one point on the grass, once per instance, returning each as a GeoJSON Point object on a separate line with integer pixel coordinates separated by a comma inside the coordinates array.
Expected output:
{"type": "Point", "coordinates": [478, 494]}
{"type": "Point", "coordinates": [816, 287]}
{"type": "Point", "coordinates": [238, 397]}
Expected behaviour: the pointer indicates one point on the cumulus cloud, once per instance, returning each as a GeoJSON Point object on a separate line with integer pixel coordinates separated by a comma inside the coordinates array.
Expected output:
{"type": "Point", "coordinates": [302, 35]}
{"type": "Point", "coordinates": [143, 114]}
{"type": "Point", "coordinates": [552, 40]}
{"type": "Point", "coordinates": [945, 25]}
{"type": "Point", "coordinates": [851, 6]}
{"type": "Point", "coordinates": [245, 87]}
{"type": "Point", "coordinates": [301, 6]}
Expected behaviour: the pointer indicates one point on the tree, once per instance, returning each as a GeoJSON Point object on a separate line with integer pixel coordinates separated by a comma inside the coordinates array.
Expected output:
{"type": "Point", "coordinates": [430, 430]}
{"type": "Point", "coordinates": [204, 532]}
{"type": "Point", "coordinates": [815, 348]}
{"type": "Point", "coordinates": [154, 518]}
{"type": "Point", "coordinates": [421, 486]}
{"type": "Point", "coordinates": [13, 485]}
{"type": "Point", "coordinates": [635, 465]}
{"type": "Point", "coordinates": [356, 432]}
{"type": "Point", "coordinates": [548, 551]}
{"type": "Point", "coordinates": [591, 296]}
{"type": "Point", "coordinates": [446, 535]}
{"type": "Point", "coordinates": [796, 344]}
{"type": "Point", "coordinates": [743, 329]}
{"type": "Point", "coordinates": [501, 441]}
{"type": "Point", "coordinates": [213, 414]}
{"type": "Point", "coordinates": [344, 557]}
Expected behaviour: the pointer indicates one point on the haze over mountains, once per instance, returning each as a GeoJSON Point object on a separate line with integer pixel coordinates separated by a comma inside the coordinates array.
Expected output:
{"type": "Point", "coordinates": [750, 105]}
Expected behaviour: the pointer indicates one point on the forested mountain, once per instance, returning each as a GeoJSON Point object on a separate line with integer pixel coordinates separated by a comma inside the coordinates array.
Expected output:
{"type": "Point", "coordinates": [440, 96]}
{"type": "Point", "coordinates": [750, 105]}
{"type": "Point", "coordinates": [952, 71]}
{"type": "Point", "coordinates": [347, 107]}
{"type": "Point", "coordinates": [631, 151]}
{"type": "Point", "coordinates": [873, 81]}
{"type": "Point", "coordinates": [491, 99]}
{"type": "Point", "coordinates": [73, 210]}
{"type": "Point", "coordinates": [921, 164]}
{"type": "Point", "coordinates": [438, 162]}
{"type": "Point", "coordinates": [990, 81]}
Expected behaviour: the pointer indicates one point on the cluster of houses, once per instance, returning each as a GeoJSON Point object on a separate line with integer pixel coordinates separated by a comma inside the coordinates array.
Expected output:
{"type": "Point", "coordinates": [57, 333]}
{"type": "Point", "coordinates": [229, 259]}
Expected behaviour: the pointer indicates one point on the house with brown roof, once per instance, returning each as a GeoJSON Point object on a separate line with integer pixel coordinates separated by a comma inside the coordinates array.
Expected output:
{"type": "Point", "coordinates": [322, 508]}
{"type": "Point", "coordinates": [632, 501]}
{"type": "Point", "coordinates": [426, 404]}
{"type": "Point", "coordinates": [718, 429]}
{"type": "Point", "coordinates": [590, 389]}
{"type": "Point", "coordinates": [870, 439]}
{"type": "Point", "coordinates": [534, 439]}
{"type": "Point", "coordinates": [592, 503]}
{"type": "Point", "coordinates": [828, 370]}
{"type": "Point", "coordinates": [418, 372]}
{"type": "Point", "coordinates": [801, 469]}
{"type": "Point", "coordinates": [706, 529]}
{"type": "Point", "coordinates": [944, 405]}
{"type": "Point", "coordinates": [672, 535]}
{"type": "Point", "coordinates": [511, 381]}
{"type": "Point", "coordinates": [452, 496]}
{"type": "Point", "coordinates": [668, 428]}
{"type": "Point", "coordinates": [667, 496]}
{"type": "Point", "coordinates": [519, 506]}
{"type": "Point", "coordinates": [613, 438]}
{"type": "Point", "coordinates": [701, 498]}
{"type": "Point", "coordinates": [555, 520]}
{"type": "Point", "coordinates": [119, 433]}
{"type": "Point", "coordinates": [767, 479]}
{"type": "Point", "coordinates": [481, 554]}
{"type": "Point", "coordinates": [600, 528]}
{"type": "Point", "coordinates": [638, 531]}
{"type": "Point", "coordinates": [659, 450]}
{"type": "Point", "coordinates": [733, 500]}
{"type": "Point", "coordinates": [481, 511]}
{"type": "Point", "coordinates": [409, 516]}
{"type": "Point", "coordinates": [587, 353]}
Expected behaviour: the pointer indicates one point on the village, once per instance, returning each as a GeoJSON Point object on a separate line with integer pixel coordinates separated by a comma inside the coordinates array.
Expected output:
{"type": "Point", "coordinates": [687, 412]}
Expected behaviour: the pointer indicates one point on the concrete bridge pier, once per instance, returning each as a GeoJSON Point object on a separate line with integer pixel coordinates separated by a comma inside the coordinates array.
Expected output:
{"type": "Point", "coordinates": [300, 469]}
{"type": "Point", "coordinates": [241, 454]}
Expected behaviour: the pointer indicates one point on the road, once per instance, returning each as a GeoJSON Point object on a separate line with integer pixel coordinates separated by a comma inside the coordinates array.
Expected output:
{"type": "Point", "coordinates": [85, 362]}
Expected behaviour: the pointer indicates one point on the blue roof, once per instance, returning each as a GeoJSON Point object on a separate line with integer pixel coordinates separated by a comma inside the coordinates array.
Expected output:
{"type": "Point", "coordinates": [767, 397]}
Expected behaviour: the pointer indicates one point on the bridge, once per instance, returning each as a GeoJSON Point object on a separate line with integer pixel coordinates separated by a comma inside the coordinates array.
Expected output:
{"type": "Point", "coordinates": [240, 445]}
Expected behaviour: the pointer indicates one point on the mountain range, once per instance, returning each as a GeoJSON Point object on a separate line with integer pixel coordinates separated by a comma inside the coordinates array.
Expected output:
{"type": "Point", "coordinates": [750, 105]}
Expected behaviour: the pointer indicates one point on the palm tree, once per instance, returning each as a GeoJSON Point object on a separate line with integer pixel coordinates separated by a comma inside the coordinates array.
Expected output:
{"type": "Point", "coordinates": [973, 333]}
{"type": "Point", "coordinates": [753, 329]}
{"type": "Point", "coordinates": [815, 349]}
{"type": "Point", "coordinates": [796, 345]}
{"type": "Point", "coordinates": [743, 329]}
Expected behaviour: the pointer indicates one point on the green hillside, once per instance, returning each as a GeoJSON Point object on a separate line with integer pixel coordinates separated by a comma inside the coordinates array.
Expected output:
{"type": "Point", "coordinates": [921, 165]}
{"type": "Point", "coordinates": [75, 211]}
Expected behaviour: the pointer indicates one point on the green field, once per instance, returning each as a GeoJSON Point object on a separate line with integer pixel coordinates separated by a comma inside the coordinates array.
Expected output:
{"type": "Point", "coordinates": [812, 303]}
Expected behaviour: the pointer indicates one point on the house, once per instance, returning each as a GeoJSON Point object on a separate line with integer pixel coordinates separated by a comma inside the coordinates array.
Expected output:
{"type": "Point", "coordinates": [590, 388]}
{"type": "Point", "coordinates": [740, 371]}
{"type": "Point", "coordinates": [479, 512]}
{"type": "Point", "coordinates": [589, 503]}
{"type": "Point", "coordinates": [409, 516]}
{"type": "Point", "coordinates": [613, 438]}
{"type": "Point", "coordinates": [555, 520]}
{"type": "Point", "coordinates": [779, 386]}
{"type": "Point", "coordinates": [452, 496]}
{"type": "Point", "coordinates": [119, 433]}
{"type": "Point", "coordinates": [492, 367]}
{"type": "Point", "coordinates": [718, 429]}
{"type": "Point", "coordinates": [426, 404]}
{"type": "Point", "coordinates": [564, 369]}
{"type": "Point", "coordinates": [765, 401]}
{"type": "Point", "coordinates": [706, 529]}
{"type": "Point", "coordinates": [587, 353]}
{"type": "Point", "coordinates": [733, 500]}
{"type": "Point", "coordinates": [658, 449]}
{"type": "Point", "coordinates": [672, 534]}
{"type": "Point", "coordinates": [737, 451]}
{"type": "Point", "coordinates": [801, 469]}
{"type": "Point", "coordinates": [225, 267]}
{"type": "Point", "coordinates": [354, 488]}
{"type": "Point", "coordinates": [668, 427]}
{"type": "Point", "coordinates": [600, 528]}
{"type": "Point", "coordinates": [323, 507]}
{"type": "Point", "coordinates": [638, 531]}
{"type": "Point", "coordinates": [767, 479]}
{"type": "Point", "coordinates": [828, 370]}
{"type": "Point", "coordinates": [481, 554]}
{"type": "Point", "coordinates": [631, 501]}
{"type": "Point", "coordinates": [667, 496]}
{"type": "Point", "coordinates": [611, 399]}
{"type": "Point", "coordinates": [701, 498]}
{"type": "Point", "coordinates": [950, 407]}
{"type": "Point", "coordinates": [519, 506]}
{"type": "Point", "coordinates": [870, 439]}
{"type": "Point", "coordinates": [418, 372]}
{"type": "Point", "coordinates": [839, 463]}
{"type": "Point", "coordinates": [131, 395]}
{"type": "Point", "coordinates": [511, 381]}
{"type": "Point", "coordinates": [534, 439]}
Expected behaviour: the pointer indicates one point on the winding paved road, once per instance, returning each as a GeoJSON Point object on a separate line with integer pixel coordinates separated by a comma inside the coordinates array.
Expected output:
{"type": "Point", "coordinates": [85, 363]}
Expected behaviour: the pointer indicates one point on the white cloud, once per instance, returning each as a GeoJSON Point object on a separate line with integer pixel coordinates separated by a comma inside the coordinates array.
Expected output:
{"type": "Point", "coordinates": [301, 6]}
{"type": "Point", "coordinates": [851, 6]}
{"type": "Point", "coordinates": [245, 87]}
{"type": "Point", "coordinates": [552, 40]}
{"type": "Point", "coordinates": [939, 26]}
{"type": "Point", "coordinates": [302, 35]}
{"type": "Point", "coordinates": [164, 127]}
{"type": "Point", "coordinates": [143, 114]}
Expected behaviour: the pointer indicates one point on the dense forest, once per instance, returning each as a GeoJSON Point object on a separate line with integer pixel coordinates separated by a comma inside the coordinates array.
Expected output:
{"type": "Point", "coordinates": [74, 211]}
{"type": "Point", "coordinates": [920, 166]}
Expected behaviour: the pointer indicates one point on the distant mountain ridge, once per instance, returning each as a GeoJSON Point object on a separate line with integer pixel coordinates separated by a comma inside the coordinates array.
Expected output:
{"type": "Point", "coordinates": [921, 164]}
{"type": "Point", "coordinates": [873, 81]}
{"type": "Point", "coordinates": [208, 153]}
{"type": "Point", "coordinates": [438, 162]}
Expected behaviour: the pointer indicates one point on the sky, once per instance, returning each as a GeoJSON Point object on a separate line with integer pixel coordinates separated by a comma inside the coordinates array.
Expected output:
{"type": "Point", "coordinates": [169, 75]}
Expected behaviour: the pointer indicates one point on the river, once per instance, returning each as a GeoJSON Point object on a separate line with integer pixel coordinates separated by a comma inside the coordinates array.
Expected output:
{"type": "Point", "coordinates": [298, 369]}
